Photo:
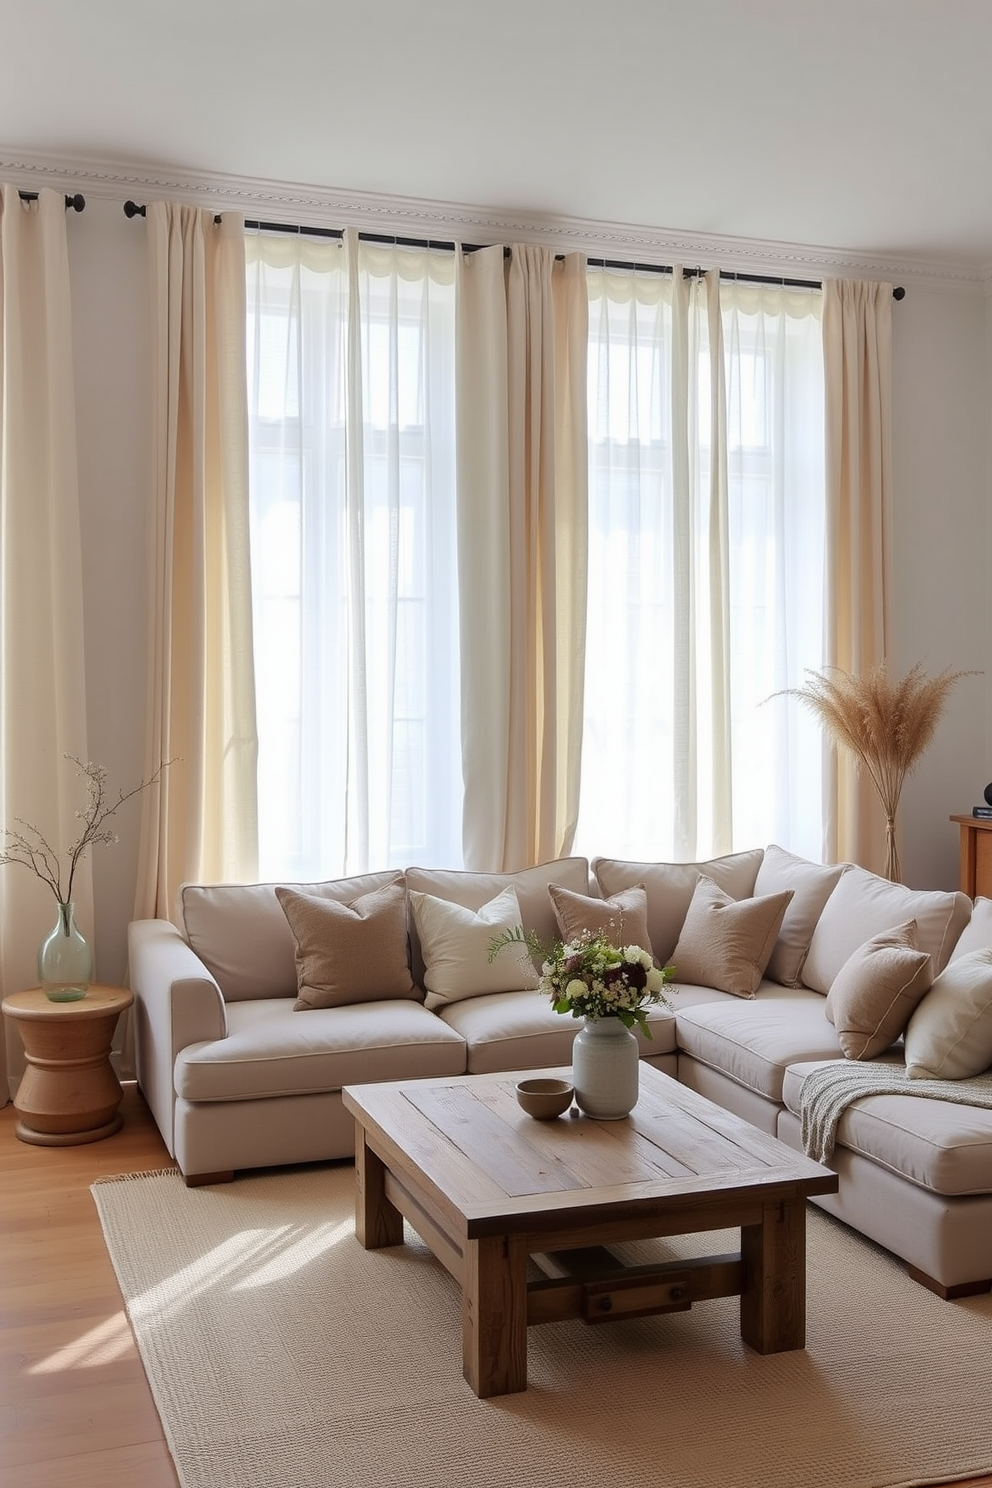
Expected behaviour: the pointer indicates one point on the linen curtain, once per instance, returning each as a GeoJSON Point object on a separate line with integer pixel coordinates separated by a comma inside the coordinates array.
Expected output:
{"type": "Point", "coordinates": [706, 537]}
{"type": "Point", "coordinates": [522, 437]}
{"type": "Point", "coordinates": [42, 700]}
{"type": "Point", "coordinates": [857, 357]}
{"type": "Point", "coordinates": [352, 408]}
{"type": "Point", "coordinates": [202, 823]}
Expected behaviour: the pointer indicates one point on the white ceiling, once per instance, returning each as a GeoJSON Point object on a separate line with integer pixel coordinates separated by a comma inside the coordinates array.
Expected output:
{"type": "Point", "coordinates": [855, 125]}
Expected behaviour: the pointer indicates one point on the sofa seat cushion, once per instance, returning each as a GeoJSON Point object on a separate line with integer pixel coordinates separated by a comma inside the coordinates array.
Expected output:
{"type": "Point", "coordinates": [271, 1050]}
{"type": "Point", "coordinates": [754, 1042]}
{"type": "Point", "coordinates": [935, 1144]}
{"type": "Point", "coordinates": [521, 1030]}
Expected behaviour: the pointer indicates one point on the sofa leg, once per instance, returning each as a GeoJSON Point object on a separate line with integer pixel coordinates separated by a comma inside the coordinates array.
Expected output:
{"type": "Point", "coordinates": [197, 1180]}
{"type": "Point", "coordinates": [948, 1293]}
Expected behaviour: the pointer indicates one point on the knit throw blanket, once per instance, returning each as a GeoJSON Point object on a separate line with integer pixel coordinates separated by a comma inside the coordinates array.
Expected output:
{"type": "Point", "coordinates": [827, 1092]}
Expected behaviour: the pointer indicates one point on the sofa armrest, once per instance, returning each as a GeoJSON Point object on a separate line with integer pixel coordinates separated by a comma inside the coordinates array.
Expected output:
{"type": "Point", "coordinates": [176, 1002]}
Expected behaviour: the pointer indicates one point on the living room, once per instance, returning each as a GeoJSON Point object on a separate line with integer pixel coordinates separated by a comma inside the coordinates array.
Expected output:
{"type": "Point", "coordinates": [777, 184]}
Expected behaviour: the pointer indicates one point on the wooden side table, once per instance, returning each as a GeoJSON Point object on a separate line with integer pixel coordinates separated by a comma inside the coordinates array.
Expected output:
{"type": "Point", "coordinates": [976, 855]}
{"type": "Point", "coordinates": [69, 1093]}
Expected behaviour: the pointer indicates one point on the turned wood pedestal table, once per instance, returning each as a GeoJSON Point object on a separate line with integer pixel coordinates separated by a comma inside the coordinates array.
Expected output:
{"type": "Point", "coordinates": [489, 1190]}
{"type": "Point", "coordinates": [69, 1093]}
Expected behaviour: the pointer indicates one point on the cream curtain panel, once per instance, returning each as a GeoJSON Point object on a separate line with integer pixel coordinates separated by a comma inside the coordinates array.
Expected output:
{"type": "Point", "coordinates": [857, 356]}
{"type": "Point", "coordinates": [706, 539]}
{"type": "Point", "coordinates": [42, 701]}
{"type": "Point", "coordinates": [522, 522]}
{"type": "Point", "coordinates": [202, 824]}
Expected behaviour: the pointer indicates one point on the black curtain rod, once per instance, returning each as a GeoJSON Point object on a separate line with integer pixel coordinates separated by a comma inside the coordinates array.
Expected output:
{"type": "Point", "coordinates": [132, 209]}
{"type": "Point", "coordinates": [73, 203]}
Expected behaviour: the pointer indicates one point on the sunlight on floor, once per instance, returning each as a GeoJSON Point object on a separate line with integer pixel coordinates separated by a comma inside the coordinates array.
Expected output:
{"type": "Point", "coordinates": [101, 1345]}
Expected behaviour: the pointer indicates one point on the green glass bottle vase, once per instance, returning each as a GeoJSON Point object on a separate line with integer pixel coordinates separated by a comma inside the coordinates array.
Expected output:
{"type": "Point", "coordinates": [65, 960]}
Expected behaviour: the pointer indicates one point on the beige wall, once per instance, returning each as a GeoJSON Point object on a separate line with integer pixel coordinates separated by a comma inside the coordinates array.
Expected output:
{"type": "Point", "coordinates": [939, 606]}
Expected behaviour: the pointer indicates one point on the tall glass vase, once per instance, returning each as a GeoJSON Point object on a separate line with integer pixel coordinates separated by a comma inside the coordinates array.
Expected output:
{"type": "Point", "coordinates": [65, 960]}
{"type": "Point", "coordinates": [605, 1069]}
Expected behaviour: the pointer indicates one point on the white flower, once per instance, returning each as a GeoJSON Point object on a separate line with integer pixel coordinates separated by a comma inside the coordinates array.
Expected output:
{"type": "Point", "coordinates": [575, 989]}
{"type": "Point", "coordinates": [655, 980]}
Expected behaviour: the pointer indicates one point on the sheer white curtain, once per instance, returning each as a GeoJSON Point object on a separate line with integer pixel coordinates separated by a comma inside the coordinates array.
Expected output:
{"type": "Point", "coordinates": [351, 356]}
{"type": "Point", "coordinates": [42, 700]}
{"type": "Point", "coordinates": [706, 542]}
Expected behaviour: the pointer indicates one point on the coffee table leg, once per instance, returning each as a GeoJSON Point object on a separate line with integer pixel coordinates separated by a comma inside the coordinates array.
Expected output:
{"type": "Point", "coordinates": [494, 1316]}
{"type": "Point", "coordinates": [377, 1221]}
{"type": "Point", "coordinates": [773, 1302]}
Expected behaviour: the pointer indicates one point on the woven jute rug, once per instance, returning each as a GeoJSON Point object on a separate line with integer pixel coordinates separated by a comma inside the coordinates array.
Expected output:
{"type": "Point", "coordinates": [283, 1355]}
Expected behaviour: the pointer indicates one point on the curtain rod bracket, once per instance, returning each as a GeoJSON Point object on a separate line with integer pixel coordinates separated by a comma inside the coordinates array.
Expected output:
{"type": "Point", "coordinates": [74, 203]}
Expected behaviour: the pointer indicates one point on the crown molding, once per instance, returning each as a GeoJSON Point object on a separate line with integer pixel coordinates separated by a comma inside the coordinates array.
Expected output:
{"type": "Point", "coordinates": [317, 206]}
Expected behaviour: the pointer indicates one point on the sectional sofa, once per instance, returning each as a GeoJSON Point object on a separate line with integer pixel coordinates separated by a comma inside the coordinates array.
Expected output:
{"type": "Point", "coordinates": [262, 1001]}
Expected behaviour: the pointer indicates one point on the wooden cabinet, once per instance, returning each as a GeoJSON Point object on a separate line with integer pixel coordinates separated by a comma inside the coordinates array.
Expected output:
{"type": "Point", "coordinates": [976, 855]}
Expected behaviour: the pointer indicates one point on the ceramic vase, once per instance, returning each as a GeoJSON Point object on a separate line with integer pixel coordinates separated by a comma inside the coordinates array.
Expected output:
{"type": "Point", "coordinates": [605, 1066]}
{"type": "Point", "coordinates": [65, 960]}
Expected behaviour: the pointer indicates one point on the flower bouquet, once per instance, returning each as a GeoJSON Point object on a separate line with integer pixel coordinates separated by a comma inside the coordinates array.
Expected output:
{"type": "Point", "coordinates": [591, 978]}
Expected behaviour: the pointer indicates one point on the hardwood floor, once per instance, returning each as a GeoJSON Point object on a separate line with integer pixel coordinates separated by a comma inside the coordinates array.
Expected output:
{"type": "Point", "coordinates": [75, 1407]}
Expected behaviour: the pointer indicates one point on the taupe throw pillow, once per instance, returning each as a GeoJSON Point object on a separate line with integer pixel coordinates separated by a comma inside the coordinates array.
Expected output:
{"type": "Point", "coordinates": [349, 952]}
{"type": "Point", "coordinates": [725, 943]}
{"type": "Point", "coordinates": [623, 919]}
{"type": "Point", "coordinates": [878, 987]}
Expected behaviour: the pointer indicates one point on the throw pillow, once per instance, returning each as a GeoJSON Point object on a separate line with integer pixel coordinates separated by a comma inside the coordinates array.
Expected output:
{"type": "Point", "coordinates": [949, 1036]}
{"type": "Point", "coordinates": [812, 885]}
{"type": "Point", "coordinates": [623, 919]}
{"type": "Point", "coordinates": [876, 990]}
{"type": "Point", "coordinates": [456, 943]}
{"type": "Point", "coordinates": [349, 953]}
{"type": "Point", "coordinates": [977, 934]}
{"type": "Point", "coordinates": [726, 943]}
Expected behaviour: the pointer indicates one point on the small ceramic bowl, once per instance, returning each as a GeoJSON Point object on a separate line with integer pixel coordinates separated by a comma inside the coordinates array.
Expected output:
{"type": "Point", "coordinates": [544, 1098]}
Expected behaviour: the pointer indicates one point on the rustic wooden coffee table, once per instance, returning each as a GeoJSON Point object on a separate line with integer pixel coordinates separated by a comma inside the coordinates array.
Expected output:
{"type": "Point", "coordinates": [487, 1188]}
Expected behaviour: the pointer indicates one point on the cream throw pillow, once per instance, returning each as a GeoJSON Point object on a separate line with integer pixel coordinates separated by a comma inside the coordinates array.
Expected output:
{"type": "Point", "coordinates": [949, 1036]}
{"type": "Point", "coordinates": [348, 953]}
{"type": "Point", "coordinates": [876, 990]}
{"type": "Point", "coordinates": [725, 943]}
{"type": "Point", "coordinates": [623, 919]}
{"type": "Point", "coordinates": [456, 942]}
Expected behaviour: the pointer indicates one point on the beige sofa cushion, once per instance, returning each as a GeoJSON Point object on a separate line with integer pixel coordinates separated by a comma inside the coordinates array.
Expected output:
{"type": "Point", "coordinates": [353, 952]}
{"type": "Point", "coordinates": [949, 1036]}
{"type": "Point", "coordinates": [977, 934]}
{"type": "Point", "coordinates": [241, 934]}
{"type": "Point", "coordinates": [875, 991]}
{"type": "Point", "coordinates": [521, 1030]}
{"type": "Point", "coordinates": [670, 887]}
{"type": "Point", "coordinates": [725, 943]}
{"type": "Point", "coordinates": [457, 943]}
{"type": "Point", "coordinates": [272, 1051]}
{"type": "Point", "coordinates": [811, 885]}
{"type": "Point", "coordinates": [935, 1144]}
{"type": "Point", "coordinates": [863, 905]}
{"type": "Point", "coordinates": [754, 1042]}
{"type": "Point", "coordinates": [623, 919]}
{"type": "Point", "coordinates": [473, 890]}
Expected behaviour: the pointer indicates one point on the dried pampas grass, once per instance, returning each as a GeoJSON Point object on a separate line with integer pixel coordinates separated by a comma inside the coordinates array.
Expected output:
{"type": "Point", "coordinates": [886, 725]}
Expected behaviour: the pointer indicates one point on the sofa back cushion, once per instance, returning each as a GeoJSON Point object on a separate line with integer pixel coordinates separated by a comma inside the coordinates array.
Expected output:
{"type": "Point", "coordinates": [977, 934]}
{"type": "Point", "coordinates": [864, 905]}
{"type": "Point", "coordinates": [670, 887]}
{"type": "Point", "coordinates": [811, 885]}
{"type": "Point", "coordinates": [473, 890]}
{"type": "Point", "coordinates": [240, 932]}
